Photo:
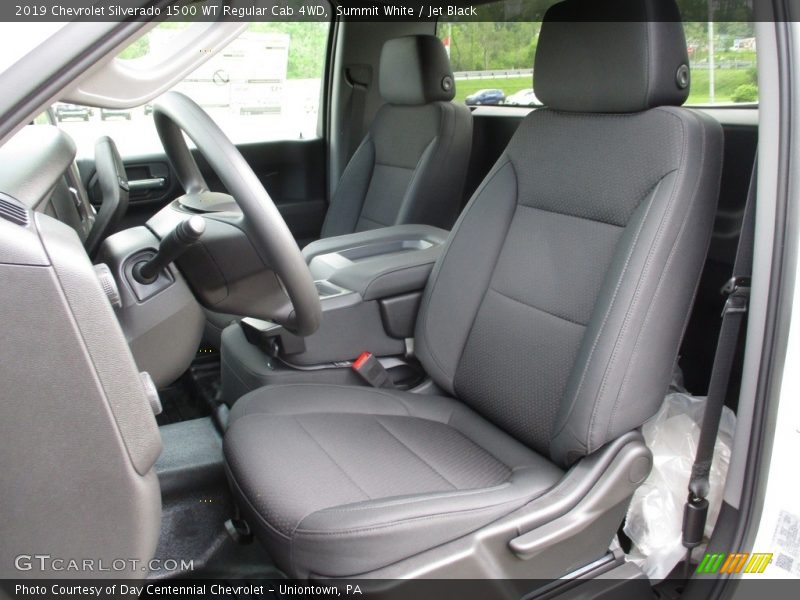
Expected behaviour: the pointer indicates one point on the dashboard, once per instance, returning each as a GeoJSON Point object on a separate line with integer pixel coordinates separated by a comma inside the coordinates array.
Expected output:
{"type": "Point", "coordinates": [74, 400]}
{"type": "Point", "coordinates": [42, 199]}
{"type": "Point", "coordinates": [37, 168]}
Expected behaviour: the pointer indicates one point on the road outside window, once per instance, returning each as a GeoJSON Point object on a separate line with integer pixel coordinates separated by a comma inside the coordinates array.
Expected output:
{"type": "Point", "coordinates": [264, 86]}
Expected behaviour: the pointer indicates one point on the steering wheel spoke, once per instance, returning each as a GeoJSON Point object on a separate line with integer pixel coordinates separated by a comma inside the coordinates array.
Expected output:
{"type": "Point", "coordinates": [176, 115]}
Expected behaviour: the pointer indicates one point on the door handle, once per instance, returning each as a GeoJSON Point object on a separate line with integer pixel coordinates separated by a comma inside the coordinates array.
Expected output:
{"type": "Point", "coordinates": [153, 183]}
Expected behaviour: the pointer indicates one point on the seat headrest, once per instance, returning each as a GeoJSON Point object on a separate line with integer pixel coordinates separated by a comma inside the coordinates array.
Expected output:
{"type": "Point", "coordinates": [415, 70]}
{"type": "Point", "coordinates": [612, 56]}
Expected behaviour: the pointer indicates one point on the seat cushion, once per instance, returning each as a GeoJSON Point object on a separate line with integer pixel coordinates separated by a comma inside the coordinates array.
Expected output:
{"type": "Point", "coordinates": [338, 480]}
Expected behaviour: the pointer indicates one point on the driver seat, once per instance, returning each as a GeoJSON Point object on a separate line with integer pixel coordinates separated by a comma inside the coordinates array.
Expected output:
{"type": "Point", "coordinates": [551, 323]}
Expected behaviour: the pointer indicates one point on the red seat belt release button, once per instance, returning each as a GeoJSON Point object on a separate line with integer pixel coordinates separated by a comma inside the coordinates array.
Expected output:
{"type": "Point", "coordinates": [371, 370]}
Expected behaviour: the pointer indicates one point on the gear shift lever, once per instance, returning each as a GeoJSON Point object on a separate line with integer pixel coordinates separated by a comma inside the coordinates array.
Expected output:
{"type": "Point", "coordinates": [171, 247]}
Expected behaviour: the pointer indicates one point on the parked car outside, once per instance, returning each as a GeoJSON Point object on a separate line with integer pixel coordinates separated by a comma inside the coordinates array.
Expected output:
{"type": "Point", "coordinates": [488, 96]}
{"type": "Point", "coordinates": [524, 97]}
{"type": "Point", "coordinates": [66, 111]}
{"type": "Point", "coordinates": [110, 113]}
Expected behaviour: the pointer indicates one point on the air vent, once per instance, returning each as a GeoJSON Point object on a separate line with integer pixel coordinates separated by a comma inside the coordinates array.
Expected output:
{"type": "Point", "coordinates": [11, 210]}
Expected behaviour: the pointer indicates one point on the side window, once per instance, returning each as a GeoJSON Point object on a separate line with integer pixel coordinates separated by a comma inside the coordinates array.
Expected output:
{"type": "Point", "coordinates": [265, 85]}
{"type": "Point", "coordinates": [492, 55]}
{"type": "Point", "coordinates": [492, 61]}
{"type": "Point", "coordinates": [723, 60]}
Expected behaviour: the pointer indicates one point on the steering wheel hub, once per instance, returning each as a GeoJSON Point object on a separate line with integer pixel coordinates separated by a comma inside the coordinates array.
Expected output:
{"type": "Point", "coordinates": [208, 202]}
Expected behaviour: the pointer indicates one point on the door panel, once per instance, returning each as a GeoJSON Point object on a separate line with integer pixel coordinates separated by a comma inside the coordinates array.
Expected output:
{"type": "Point", "coordinates": [293, 172]}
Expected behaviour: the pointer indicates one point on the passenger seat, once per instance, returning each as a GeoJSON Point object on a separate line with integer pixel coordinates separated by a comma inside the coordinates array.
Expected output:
{"type": "Point", "coordinates": [410, 167]}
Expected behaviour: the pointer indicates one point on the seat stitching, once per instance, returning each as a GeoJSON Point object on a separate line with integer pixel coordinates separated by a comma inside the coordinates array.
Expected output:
{"type": "Point", "coordinates": [365, 207]}
{"type": "Point", "coordinates": [250, 504]}
{"type": "Point", "coordinates": [375, 221]}
{"type": "Point", "coordinates": [326, 386]}
{"type": "Point", "coordinates": [446, 133]}
{"type": "Point", "coordinates": [415, 174]}
{"type": "Point", "coordinates": [319, 532]}
{"type": "Point", "coordinates": [411, 450]}
{"type": "Point", "coordinates": [637, 292]}
{"type": "Point", "coordinates": [570, 215]}
{"type": "Point", "coordinates": [449, 421]}
{"type": "Point", "coordinates": [493, 270]}
{"type": "Point", "coordinates": [435, 276]}
{"type": "Point", "coordinates": [427, 498]}
{"type": "Point", "coordinates": [328, 454]}
{"type": "Point", "coordinates": [260, 517]}
{"type": "Point", "coordinates": [367, 139]}
{"type": "Point", "coordinates": [537, 308]}
{"type": "Point", "coordinates": [623, 328]}
{"type": "Point", "coordinates": [626, 379]}
{"type": "Point", "coordinates": [391, 166]}
{"type": "Point", "coordinates": [600, 331]}
{"type": "Point", "coordinates": [402, 403]}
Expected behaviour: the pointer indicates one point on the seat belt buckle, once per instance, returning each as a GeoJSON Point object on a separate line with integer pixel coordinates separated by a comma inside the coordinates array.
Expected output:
{"type": "Point", "coordinates": [737, 290]}
{"type": "Point", "coordinates": [372, 371]}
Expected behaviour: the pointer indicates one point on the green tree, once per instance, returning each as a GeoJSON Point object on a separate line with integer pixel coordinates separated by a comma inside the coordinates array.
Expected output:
{"type": "Point", "coordinates": [746, 92]}
{"type": "Point", "coordinates": [480, 46]}
{"type": "Point", "coordinates": [137, 49]}
{"type": "Point", "coordinates": [307, 45]}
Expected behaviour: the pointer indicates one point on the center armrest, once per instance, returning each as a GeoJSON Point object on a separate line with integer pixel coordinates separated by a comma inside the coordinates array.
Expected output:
{"type": "Point", "coordinates": [378, 263]}
{"type": "Point", "coordinates": [370, 286]}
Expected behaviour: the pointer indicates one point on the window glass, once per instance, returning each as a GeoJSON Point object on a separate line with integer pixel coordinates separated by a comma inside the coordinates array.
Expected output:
{"type": "Point", "coordinates": [265, 85]}
{"type": "Point", "coordinates": [723, 61]}
{"type": "Point", "coordinates": [43, 119]}
{"type": "Point", "coordinates": [493, 60]}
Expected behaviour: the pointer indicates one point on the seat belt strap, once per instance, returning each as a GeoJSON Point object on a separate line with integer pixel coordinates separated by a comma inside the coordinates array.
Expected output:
{"type": "Point", "coordinates": [737, 291]}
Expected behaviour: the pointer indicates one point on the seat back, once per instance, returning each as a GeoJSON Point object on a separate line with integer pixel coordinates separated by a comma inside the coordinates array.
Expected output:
{"type": "Point", "coordinates": [411, 166]}
{"type": "Point", "coordinates": [558, 306]}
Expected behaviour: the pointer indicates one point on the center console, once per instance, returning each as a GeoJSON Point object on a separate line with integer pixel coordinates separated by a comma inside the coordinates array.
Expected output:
{"type": "Point", "coordinates": [370, 286]}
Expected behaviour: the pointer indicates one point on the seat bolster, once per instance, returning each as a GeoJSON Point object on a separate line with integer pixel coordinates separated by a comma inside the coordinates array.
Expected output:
{"type": "Point", "coordinates": [357, 538]}
{"type": "Point", "coordinates": [461, 275]}
{"type": "Point", "coordinates": [348, 199]}
{"type": "Point", "coordinates": [631, 342]}
{"type": "Point", "coordinates": [526, 483]}
{"type": "Point", "coordinates": [434, 195]}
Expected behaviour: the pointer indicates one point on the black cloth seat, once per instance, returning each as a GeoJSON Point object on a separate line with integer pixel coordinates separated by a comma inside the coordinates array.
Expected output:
{"type": "Point", "coordinates": [411, 165]}
{"type": "Point", "coordinates": [553, 317]}
{"type": "Point", "coordinates": [365, 476]}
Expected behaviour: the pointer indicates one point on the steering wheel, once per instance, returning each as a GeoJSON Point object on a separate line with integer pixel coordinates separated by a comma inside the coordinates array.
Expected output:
{"type": "Point", "coordinates": [175, 114]}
